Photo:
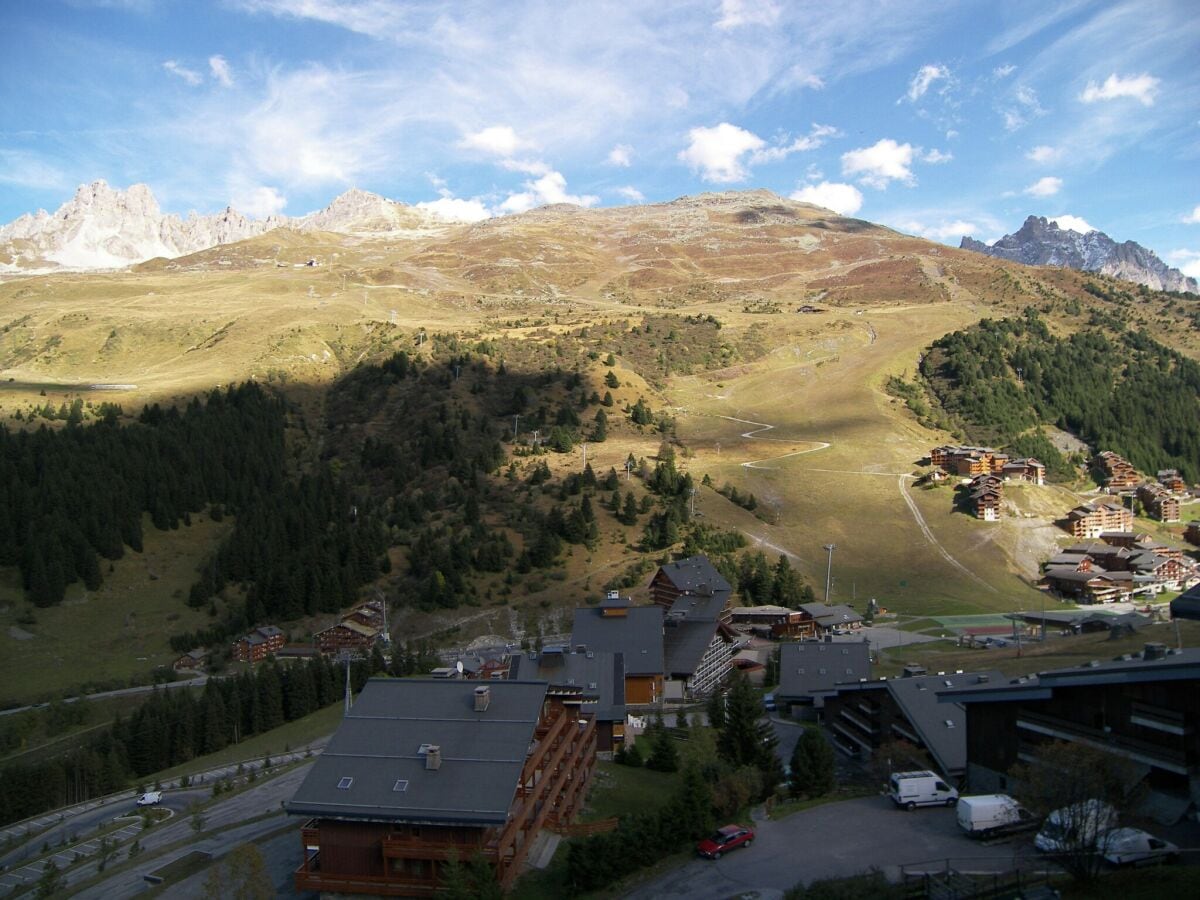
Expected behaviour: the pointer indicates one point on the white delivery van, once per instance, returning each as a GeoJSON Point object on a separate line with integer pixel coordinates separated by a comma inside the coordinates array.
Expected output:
{"type": "Point", "coordinates": [988, 815]}
{"type": "Point", "coordinates": [150, 798]}
{"type": "Point", "coordinates": [1075, 827]}
{"type": "Point", "coordinates": [912, 789]}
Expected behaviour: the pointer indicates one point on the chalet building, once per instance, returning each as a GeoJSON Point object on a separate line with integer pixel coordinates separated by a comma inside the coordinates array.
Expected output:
{"type": "Point", "coordinates": [258, 644]}
{"type": "Point", "coordinates": [1141, 566]}
{"type": "Point", "coordinates": [346, 635]}
{"type": "Point", "coordinates": [1159, 502]}
{"type": "Point", "coordinates": [636, 632]}
{"type": "Point", "coordinates": [781, 622]}
{"type": "Point", "coordinates": [833, 619]}
{"type": "Point", "coordinates": [697, 645]}
{"type": "Point", "coordinates": [588, 682]}
{"type": "Point", "coordinates": [1089, 520]}
{"type": "Point", "coordinates": [1089, 585]}
{"type": "Point", "coordinates": [1172, 480]}
{"type": "Point", "coordinates": [692, 577]}
{"type": "Point", "coordinates": [1118, 473]}
{"type": "Point", "coordinates": [968, 462]}
{"type": "Point", "coordinates": [985, 493]}
{"type": "Point", "coordinates": [420, 773]}
{"type": "Point", "coordinates": [864, 716]}
{"type": "Point", "coordinates": [1144, 707]}
{"type": "Point", "coordinates": [1191, 534]}
{"type": "Point", "coordinates": [192, 660]}
{"type": "Point", "coordinates": [811, 671]}
{"type": "Point", "coordinates": [1025, 469]}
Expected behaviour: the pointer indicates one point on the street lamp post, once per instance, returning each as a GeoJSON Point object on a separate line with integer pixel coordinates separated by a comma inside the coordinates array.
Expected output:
{"type": "Point", "coordinates": [829, 548]}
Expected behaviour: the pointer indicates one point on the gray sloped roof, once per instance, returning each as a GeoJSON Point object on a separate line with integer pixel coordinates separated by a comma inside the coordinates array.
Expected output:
{"type": "Point", "coordinates": [377, 745]}
{"type": "Point", "coordinates": [599, 676]}
{"type": "Point", "coordinates": [1187, 604]}
{"type": "Point", "coordinates": [685, 642]}
{"type": "Point", "coordinates": [829, 616]}
{"type": "Point", "coordinates": [638, 635]}
{"type": "Point", "coordinates": [942, 727]}
{"type": "Point", "coordinates": [811, 668]}
{"type": "Point", "coordinates": [695, 575]}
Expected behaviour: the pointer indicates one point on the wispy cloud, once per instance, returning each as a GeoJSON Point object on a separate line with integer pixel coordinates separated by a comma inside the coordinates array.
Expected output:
{"type": "Point", "coordinates": [220, 70]}
{"type": "Point", "coordinates": [631, 193]}
{"type": "Point", "coordinates": [23, 169]}
{"type": "Point", "coordinates": [1192, 218]}
{"type": "Point", "coordinates": [1141, 88]}
{"type": "Point", "coordinates": [620, 155]}
{"type": "Point", "coordinates": [924, 79]}
{"type": "Point", "coordinates": [191, 76]}
{"type": "Point", "coordinates": [739, 13]}
{"type": "Point", "coordinates": [1044, 153]}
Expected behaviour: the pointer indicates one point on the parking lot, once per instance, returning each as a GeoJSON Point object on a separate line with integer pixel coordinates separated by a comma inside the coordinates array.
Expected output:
{"type": "Point", "coordinates": [837, 840]}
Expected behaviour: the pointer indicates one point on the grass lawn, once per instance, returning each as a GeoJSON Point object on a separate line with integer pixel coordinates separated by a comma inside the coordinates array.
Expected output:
{"type": "Point", "coordinates": [617, 789]}
{"type": "Point", "coordinates": [111, 634]}
{"type": "Point", "coordinates": [1139, 884]}
{"type": "Point", "coordinates": [294, 736]}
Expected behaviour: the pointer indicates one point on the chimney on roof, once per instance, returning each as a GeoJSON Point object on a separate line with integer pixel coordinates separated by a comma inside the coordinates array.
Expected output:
{"type": "Point", "coordinates": [1154, 650]}
{"type": "Point", "coordinates": [612, 595]}
{"type": "Point", "coordinates": [433, 757]}
{"type": "Point", "coordinates": [483, 696]}
{"type": "Point", "coordinates": [912, 670]}
{"type": "Point", "coordinates": [982, 679]}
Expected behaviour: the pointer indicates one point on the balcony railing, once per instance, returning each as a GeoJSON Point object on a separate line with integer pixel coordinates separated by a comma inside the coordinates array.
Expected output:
{"type": "Point", "coordinates": [1163, 756]}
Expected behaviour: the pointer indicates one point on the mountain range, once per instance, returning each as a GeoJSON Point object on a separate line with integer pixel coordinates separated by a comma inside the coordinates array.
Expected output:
{"type": "Point", "coordinates": [102, 227]}
{"type": "Point", "coordinates": [1041, 242]}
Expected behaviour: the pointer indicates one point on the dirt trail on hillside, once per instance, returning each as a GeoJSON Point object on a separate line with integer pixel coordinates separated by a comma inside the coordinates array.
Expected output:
{"type": "Point", "coordinates": [753, 435]}
{"type": "Point", "coordinates": [945, 554]}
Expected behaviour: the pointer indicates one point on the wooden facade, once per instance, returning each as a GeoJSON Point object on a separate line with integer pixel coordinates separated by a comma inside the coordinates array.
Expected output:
{"type": "Point", "coordinates": [1090, 520]}
{"type": "Point", "coordinates": [406, 858]}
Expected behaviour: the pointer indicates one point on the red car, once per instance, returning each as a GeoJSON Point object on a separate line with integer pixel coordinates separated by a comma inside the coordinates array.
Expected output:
{"type": "Point", "coordinates": [725, 839]}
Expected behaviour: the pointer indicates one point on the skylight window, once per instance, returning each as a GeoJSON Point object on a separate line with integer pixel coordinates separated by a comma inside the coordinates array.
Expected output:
{"type": "Point", "coordinates": [400, 786]}
{"type": "Point", "coordinates": [344, 784]}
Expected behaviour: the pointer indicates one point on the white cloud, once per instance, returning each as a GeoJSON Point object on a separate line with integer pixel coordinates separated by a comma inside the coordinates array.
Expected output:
{"type": "Point", "coordinates": [716, 153]}
{"type": "Point", "coordinates": [259, 201]}
{"type": "Point", "coordinates": [219, 69]}
{"type": "Point", "coordinates": [179, 71]}
{"type": "Point", "coordinates": [1045, 187]}
{"type": "Point", "coordinates": [924, 78]}
{"type": "Point", "coordinates": [936, 156]}
{"type": "Point", "coordinates": [550, 188]}
{"type": "Point", "coordinates": [1003, 71]}
{"type": "Point", "coordinates": [1044, 154]}
{"type": "Point", "coordinates": [882, 162]}
{"type": "Point", "coordinates": [811, 141]}
{"type": "Point", "coordinates": [534, 167]}
{"type": "Point", "coordinates": [1071, 223]}
{"type": "Point", "coordinates": [843, 199]}
{"type": "Point", "coordinates": [1187, 261]}
{"type": "Point", "coordinates": [1140, 87]}
{"type": "Point", "coordinates": [1028, 106]}
{"type": "Point", "coordinates": [1193, 218]}
{"type": "Point", "coordinates": [631, 193]}
{"type": "Point", "coordinates": [498, 140]}
{"type": "Point", "coordinates": [456, 209]}
{"type": "Point", "coordinates": [735, 13]}
{"type": "Point", "coordinates": [950, 232]}
{"type": "Point", "coordinates": [621, 155]}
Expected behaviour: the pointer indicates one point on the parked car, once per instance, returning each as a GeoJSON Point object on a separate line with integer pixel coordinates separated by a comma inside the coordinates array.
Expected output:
{"type": "Point", "coordinates": [769, 702]}
{"type": "Point", "coordinates": [1075, 827]}
{"type": "Point", "coordinates": [990, 815]}
{"type": "Point", "coordinates": [150, 798]}
{"type": "Point", "coordinates": [1132, 847]}
{"type": "Point", "coordinates": [909, 790]}
{"type": "Point", "coordinates": [725, 839]}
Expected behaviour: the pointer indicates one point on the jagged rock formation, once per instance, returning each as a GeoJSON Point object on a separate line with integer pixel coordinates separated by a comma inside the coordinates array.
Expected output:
{"type": "Point", "coordinates": [1040, 242]}
{"type": "Point", "coordinates": [104, 228]}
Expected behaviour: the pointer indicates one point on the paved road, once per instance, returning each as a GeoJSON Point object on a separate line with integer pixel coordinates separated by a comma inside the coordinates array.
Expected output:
{"type": "Point", "coordinates": [839, 839]}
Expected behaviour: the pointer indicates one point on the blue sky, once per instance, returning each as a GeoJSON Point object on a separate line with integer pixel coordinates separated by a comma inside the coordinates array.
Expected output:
{"type": "Point", "coordinates": [936, 118]}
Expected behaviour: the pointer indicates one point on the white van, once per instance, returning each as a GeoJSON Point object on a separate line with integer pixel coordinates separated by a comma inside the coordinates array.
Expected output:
{"type": "Point", "coordinates": [912, 789]}
{"type": "Point", "coordinates": [1075, 827]}
{"type": "Point", "coordinates": [989, 815]}
{"type": "Point", "coordinates": [150, 798]}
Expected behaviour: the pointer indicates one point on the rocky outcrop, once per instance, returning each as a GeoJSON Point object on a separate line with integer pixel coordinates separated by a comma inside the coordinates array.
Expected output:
{"type": "Point", "coordinates": [1040, 242]}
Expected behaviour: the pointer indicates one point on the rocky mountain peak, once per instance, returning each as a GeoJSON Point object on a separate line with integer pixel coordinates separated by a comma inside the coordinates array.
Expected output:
{"type": "Point", "coordinates": [1041, 242]}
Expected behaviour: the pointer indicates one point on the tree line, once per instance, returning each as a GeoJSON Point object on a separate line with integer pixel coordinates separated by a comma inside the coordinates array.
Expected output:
{"type": "Point", "coordinates": [72, 497]}
{"type": "Point", "coordinates": [1124, 392]}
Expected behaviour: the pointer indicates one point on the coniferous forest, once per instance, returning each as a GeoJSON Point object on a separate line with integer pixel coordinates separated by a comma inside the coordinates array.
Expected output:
{"type": "Point", "coordinates": [1124, 392]}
